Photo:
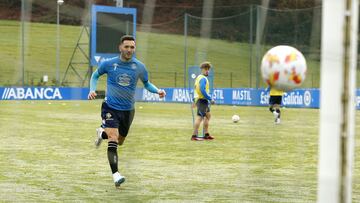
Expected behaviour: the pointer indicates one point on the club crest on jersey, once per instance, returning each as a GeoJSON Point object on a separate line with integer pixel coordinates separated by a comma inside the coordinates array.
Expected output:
{"type": "Point", "coordinates": [123, 79]}
{"type": "Point", "coordinates": [133, 66]}
{"type": "Point", "coordinates": [115, 65]}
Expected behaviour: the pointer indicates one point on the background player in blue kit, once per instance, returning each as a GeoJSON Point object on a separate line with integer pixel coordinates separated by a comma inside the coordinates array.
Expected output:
{"type": "Point", "coordinates": [117, 110]}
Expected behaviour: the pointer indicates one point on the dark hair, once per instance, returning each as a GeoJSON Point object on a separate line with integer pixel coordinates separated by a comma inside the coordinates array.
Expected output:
{"type": "Point", "coordinates": [205, 64]}
{"type": "Point", "coordinates": [127, 37]}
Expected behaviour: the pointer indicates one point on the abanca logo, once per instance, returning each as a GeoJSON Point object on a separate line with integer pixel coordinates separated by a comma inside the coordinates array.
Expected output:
{"type": "Point", "coordinates": [31, 93]}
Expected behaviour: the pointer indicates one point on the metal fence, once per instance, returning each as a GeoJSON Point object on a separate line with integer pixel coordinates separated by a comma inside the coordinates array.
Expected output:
{"type": "Point", "coordinates": [221, 80]}
{"type": "Point", "coordinates": [161, 79]}
{"type": "Point", "coordinates": [234, 42]}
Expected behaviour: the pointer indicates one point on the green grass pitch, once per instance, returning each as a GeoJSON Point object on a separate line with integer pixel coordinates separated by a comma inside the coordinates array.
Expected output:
{"type": "Point", "coordinates": [47, 154]}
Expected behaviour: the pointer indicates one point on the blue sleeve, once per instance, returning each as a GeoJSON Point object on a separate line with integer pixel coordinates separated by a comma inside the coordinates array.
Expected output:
{"type": "Point", "coordinates": [150, 87]}
{"type": "Point", "coordinates": [93, 82]}
{"type": "Point", "coordinates": [203, 90]}
{"type": "Point", "coordinates": [267, 89]}
{"type": "Point", "coordinates": [145, 79]}
{"type": "Point", "coordinates": [102, 68]}
{"type": "Point", "coordinates": [144, 75]}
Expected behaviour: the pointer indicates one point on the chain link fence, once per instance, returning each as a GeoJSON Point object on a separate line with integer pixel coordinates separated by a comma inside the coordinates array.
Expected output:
{"type": "Point", "coordinates": [234, 42]}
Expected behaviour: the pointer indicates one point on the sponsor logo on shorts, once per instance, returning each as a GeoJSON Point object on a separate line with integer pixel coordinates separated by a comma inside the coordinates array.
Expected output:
{"type": "Point", "coordinates": [108, 116]}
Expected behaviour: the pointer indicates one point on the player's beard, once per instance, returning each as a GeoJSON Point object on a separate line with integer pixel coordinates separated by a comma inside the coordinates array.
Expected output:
{"type": "Point", "coordinates": [127, 55]}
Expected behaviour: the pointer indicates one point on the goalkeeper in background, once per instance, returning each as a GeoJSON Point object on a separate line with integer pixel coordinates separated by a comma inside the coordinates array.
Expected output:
{"type": "Point", "coordinates": [202, 100]}
{"type": "Point", "coordinates": [275, 103]}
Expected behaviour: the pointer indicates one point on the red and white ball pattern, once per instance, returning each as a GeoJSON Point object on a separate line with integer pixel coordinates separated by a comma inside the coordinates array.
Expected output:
{"type": "Point", "coordinates": [283, 67]}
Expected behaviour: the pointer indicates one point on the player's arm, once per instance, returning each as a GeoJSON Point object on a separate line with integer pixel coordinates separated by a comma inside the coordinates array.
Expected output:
{"type": "Point", "coordinates": [153, 89]}
{"type": "Point", "coordinates": [267, 89]}
{"type": "Point", "coordinates": [93, 83]}
{"type": "Point", "coordinates": [148, 85]}
{"type": "Point", "coordinates": [203, 89]}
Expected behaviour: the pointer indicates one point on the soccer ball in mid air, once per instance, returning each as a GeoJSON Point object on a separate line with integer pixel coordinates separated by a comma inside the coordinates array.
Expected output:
{"type": "Point", "coordinates": [283, 67]}
{"type": "Point", "coordinates": [235, 118]}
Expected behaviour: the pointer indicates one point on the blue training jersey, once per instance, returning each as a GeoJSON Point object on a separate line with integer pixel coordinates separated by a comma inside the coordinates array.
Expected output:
{"type": "Point", "coordinates": [122, 79]}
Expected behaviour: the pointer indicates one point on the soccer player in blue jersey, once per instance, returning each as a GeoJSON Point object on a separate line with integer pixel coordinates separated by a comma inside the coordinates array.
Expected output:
{"type": "Point", "coordinates": [202, 99]}
{"type": "Point", "coordinates": [117, 110]}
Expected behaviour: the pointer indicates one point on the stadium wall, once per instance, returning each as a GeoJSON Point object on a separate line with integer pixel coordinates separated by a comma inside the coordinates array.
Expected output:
{"type": "Point", "coordinates": [299, 98]}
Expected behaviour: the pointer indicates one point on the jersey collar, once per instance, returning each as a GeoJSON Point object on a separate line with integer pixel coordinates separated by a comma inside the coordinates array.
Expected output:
{"type": "Point", "coordinates": [131, 60]}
